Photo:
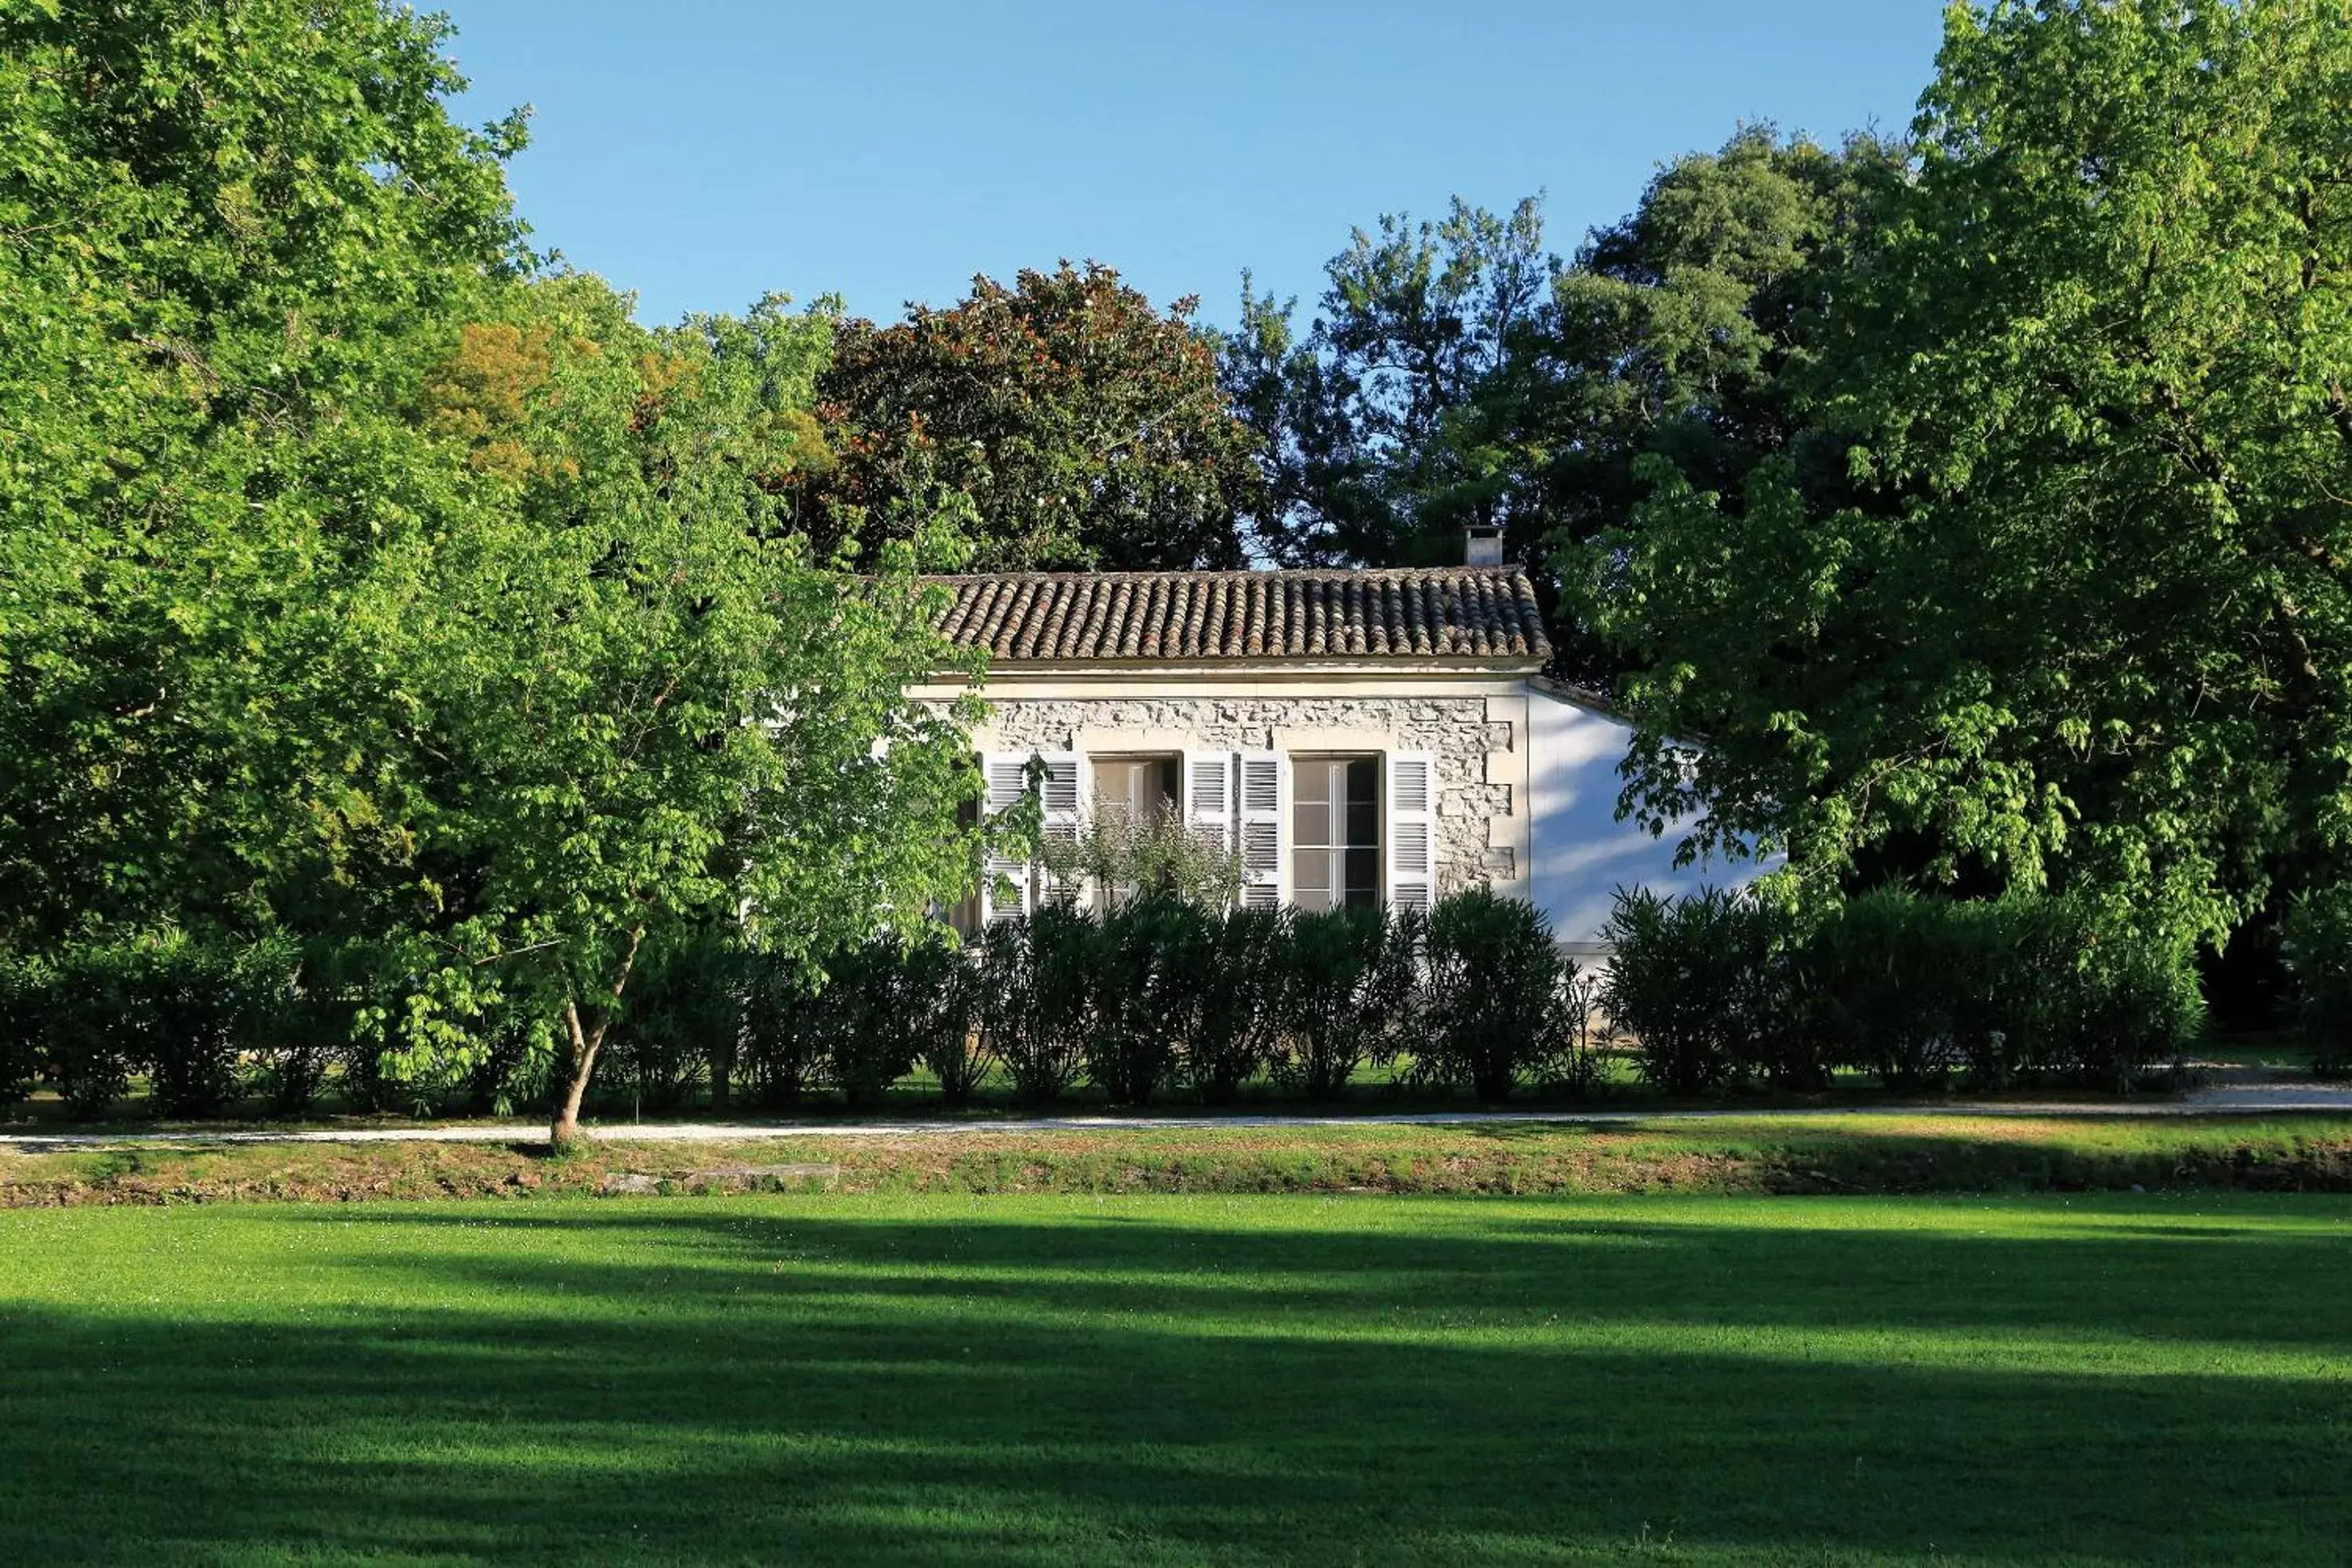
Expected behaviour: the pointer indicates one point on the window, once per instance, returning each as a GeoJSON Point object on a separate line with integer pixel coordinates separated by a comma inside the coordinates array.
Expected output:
{"type": "Point", "coordinates": [1137, 789]}
{"type": "Point", "coordinates": [1130, 793]}
{"type": "Point", "coordinates": [1335, 831]}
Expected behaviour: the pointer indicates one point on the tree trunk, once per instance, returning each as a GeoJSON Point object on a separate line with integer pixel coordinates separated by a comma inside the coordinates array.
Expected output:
{"type": "Point", "coordinates": [563, 1134]}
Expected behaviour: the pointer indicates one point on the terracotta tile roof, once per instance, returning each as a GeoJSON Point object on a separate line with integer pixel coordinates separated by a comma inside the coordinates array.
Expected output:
{"type": "Point", "coordinates": [1485, 613]}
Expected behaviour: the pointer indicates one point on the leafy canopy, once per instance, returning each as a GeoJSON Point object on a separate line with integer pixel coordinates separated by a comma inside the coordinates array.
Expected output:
{"type": "Point", "coordinates": [1088, 427]}
{"type": "Point", "coordinates": [2090, 621]}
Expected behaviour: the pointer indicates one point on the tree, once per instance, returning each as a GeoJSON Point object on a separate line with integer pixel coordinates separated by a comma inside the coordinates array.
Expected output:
{"type": "Point", "coordinates": [1370, 423]}
{"type": "Point", "coordinates": [1681, 330]}
{"type": "Point", "coordinates": [642, 705]}
{"type": "Point", "coordinates": [225, 231]}
{"type": "Point", "coordinates": [1088, 428]}
{"type": "Point", "coordinates": [2094, 624]}
{"type": "Point", "coordinates": [1458, 375]}
{"type": "Point", "coordinates": [354, 586]}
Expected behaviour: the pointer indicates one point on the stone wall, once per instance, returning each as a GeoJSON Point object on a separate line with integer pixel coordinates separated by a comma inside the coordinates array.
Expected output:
{"type": "Point", "coordinates": [1456, 730]}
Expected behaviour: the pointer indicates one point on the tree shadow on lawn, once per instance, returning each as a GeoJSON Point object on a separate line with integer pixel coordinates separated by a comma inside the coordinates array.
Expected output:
{"type": "Point", "coordinates": [1487, 1383]}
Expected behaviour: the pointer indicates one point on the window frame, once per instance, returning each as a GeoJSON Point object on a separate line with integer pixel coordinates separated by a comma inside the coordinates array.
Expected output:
{"type": "Point", "coordinates": [1338, 889]}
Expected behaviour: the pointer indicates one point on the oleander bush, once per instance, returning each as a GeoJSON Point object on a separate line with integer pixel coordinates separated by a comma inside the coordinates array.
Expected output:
{"type": "Point", "coordinates": [680, 1028]}
{"type": "Point", "coordinates": [1159, 966]}
{"type": "Point", "coordinates": [1239, 1026]}
{"type": "Point", "coordinates": [781, 1049]}
{"type": "Point", "coordinates": [1347, 995]}
{"type": "Point", "coordinates": [1712, 990]}
{"type": "Point", "coordinates": [941, 995]}
{"type": "Point", "coordinates": [1497, 998]}
{"type": "Point", "coordinates": [23, 989]}
{"type": "Point", "coordinates": [2319, 950]}
{"type": "Point", "coordinates": [296, 1005]}
{"type": "Point", "coordinates": [1702, 984]}
{"type": "Point", "coordinates": [1914, 991]}
{"type": "Point", "coordinates": [1038, 997]}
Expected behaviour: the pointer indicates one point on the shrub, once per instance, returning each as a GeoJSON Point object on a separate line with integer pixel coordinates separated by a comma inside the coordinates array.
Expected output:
{"type": "Point", "coordinates": [180, 992]}
{"type": "Point", "coordinates": [864, 1015]}
{"type": "Point", "coordinates": [1036, 998]}
{"type": "Point", "coordinates": [2319, 951]}
{"type": "Point", "coordinates": [1240, 1021]}
{"type": "Point", "coordinates": [1347, 992]}
{"type": "Point", "coordinates": [684, 1013]}
{"type": "Point", "coordinates": [1585, 1030]}
{"type": "Point", "coordinates": [1497, 1012]}
{"type": "Point", "coordinates": [783, 1047]}
{"type": "Point", "coordinates": [941, 994]}
{"type": "Point", "coordinates": [1889, 975]}
{"type": "Point", "coordinates": [22, 991]}
{"type": "Point", "coordinates": [1703, 984]}
{"type": "Point", "coordinates": [2135, 1002]}
{"type": "Point", "coordinates": [293, 1018]}
{"type": "Point", "coordinates": [1916, 989]}
{"type": "Point", "coordinates": [1158, 963]}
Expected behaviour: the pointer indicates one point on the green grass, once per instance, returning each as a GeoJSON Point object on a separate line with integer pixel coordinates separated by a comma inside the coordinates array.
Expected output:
{"type": "Point", "coordinates": [944, 1378]}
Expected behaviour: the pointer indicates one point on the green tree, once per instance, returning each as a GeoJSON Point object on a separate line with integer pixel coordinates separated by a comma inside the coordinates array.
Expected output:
{"type": "Point", "coordinates": [1458, 375]}
{"type": "Point", "coordinates": [642, 705]}
{"type": "Point", "coordinates": [2093, 625]}
{"type": "Point", "coordinates": [225, 232]}
{"type": "Point", "coordinates": [354, 586]}
{"type": "Point", "coordinates": [1376, 446]}
{"type": "Point", "coordinates": [1088, 427]}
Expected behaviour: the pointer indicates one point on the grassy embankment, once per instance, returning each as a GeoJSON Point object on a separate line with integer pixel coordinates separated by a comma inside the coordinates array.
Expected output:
{"type": "Point", "coordinates": [1847, 1155]}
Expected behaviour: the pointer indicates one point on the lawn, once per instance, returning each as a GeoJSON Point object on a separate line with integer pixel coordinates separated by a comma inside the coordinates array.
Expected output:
{"type": "Point", "coordinates": [948, 1378]}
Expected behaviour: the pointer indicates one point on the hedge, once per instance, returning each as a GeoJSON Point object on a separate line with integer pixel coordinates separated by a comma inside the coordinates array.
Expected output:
{"type": "Point", "coordinates": [1161, 998]}
{"type": "Point", "coordinates": [1917, 992]}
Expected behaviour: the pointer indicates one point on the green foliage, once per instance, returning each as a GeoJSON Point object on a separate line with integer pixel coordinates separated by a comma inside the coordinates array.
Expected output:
{"type": "Point", "coordinates": [1347, 994]}
{"type": "Point", "coordinates": [1088, 427]}
{"type": "Point", "coordinates": [783, 1048]}
{"type": "Point", "coordinates": [1159, 968]}
{"type": "Point", "coordinates": [1697, 982]}
{"type": "Point", "coordinates": [357, 587]}
{"type": "Point", "coordinates": [679, 1028]}
{"type": "Point", "coordinates": [231, 231]}
{"type": "Point", "coordinates": [2319, 936]}
{"type": "Point", "coordinates": [1722, 987]}
{"type": "Point", "coordinates": [1500, 1004]}
{"type": "Point", "coordinates": [941, 990]}
{"type": "Point", "coordinates": [1038, 997]}
{"type": "Point", "coordinates": [2086, 623]}
{"type": "Point", "coordinates": [1375, 446]}
{"type": "Point", "coordinates": [1457, 374]}
{"type": "Point", "coordinates": [1154, 855]}
{"type": "Point", "coordinates": [1238, 1029]}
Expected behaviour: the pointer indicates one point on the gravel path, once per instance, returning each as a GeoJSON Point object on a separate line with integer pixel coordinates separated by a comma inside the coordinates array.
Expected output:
{"type": "Point", "coordinates": [2248, 1094]}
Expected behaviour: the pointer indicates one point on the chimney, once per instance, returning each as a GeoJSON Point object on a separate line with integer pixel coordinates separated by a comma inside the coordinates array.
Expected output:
{"type": "Point", "coordinates": [1482, 546]}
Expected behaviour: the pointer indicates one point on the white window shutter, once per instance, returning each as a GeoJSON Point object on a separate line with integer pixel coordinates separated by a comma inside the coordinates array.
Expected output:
{"type": "Point", "coordinates": [1264, 802]}
{"type": "Point", "coordinates": [1209, 797]}
{"type": "Point", "coordinates": [1003, 773]}
{"type": "Point", "coordinates": [1411, 835]}
{"type": "Point", "coordinates": [1067, 799]}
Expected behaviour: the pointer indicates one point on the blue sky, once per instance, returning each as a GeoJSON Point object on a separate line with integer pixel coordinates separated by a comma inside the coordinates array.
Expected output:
{"type": "Point", "coordinates": [703, 152]}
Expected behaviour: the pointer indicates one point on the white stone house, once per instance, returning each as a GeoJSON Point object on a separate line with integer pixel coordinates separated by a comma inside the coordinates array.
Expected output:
{"type": "Point", "coordinates": [1357, 737]}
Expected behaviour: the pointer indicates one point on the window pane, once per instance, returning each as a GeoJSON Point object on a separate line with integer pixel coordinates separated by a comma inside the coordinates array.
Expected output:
{"type": "Point", "coordinates": [1363, 875]}
{"type": "Point", "coordinates": [1310, 823]}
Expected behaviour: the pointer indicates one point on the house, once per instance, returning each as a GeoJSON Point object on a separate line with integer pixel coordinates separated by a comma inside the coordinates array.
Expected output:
{"type": "Point", "coordinates": [1357, 737]}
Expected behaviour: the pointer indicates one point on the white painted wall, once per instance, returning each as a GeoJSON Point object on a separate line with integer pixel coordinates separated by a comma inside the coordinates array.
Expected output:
{"type": "Point", "coordinates": [1578, 853]}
